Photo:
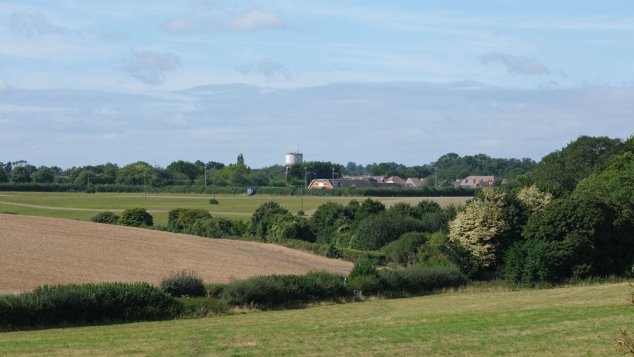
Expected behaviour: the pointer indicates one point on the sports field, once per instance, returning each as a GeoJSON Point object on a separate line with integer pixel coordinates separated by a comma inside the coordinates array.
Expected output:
{"type": "Point", "coordinates": [83, 206]}
{"type": "Point", "coordinates": [568, 321]}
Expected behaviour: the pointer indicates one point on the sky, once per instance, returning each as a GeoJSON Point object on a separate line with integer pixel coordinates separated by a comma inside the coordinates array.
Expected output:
{"type": "Point", "coordinates": [89, 82]}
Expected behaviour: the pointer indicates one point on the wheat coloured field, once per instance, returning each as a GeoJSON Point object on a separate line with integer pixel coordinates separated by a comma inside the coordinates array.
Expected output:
{"type": "Point", "coordinates": [41, 250]}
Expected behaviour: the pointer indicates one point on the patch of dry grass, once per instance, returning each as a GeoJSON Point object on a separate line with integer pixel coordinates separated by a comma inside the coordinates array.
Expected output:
{"type": "Point", "coordinates": [40, 250]}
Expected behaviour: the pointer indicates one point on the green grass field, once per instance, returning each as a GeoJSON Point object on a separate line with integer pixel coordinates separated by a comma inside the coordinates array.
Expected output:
{"type": "Point", "coordinates": [569, 321]}
{"type": "Point", "coordinates": [84, 205]}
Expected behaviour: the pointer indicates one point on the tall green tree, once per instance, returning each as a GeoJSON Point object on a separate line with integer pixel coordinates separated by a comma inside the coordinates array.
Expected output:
{"type": "Point", "coordinates": [559, 172]}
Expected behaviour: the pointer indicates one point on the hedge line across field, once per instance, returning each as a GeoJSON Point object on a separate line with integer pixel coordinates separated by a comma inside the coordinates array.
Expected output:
{"type": "Point", "coordinates": [265, 190]}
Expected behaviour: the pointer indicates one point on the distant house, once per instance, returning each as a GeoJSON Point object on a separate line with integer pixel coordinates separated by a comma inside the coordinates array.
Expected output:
{"type": "Point", "coordinates": [329, 184]}
{"type": "Point", "coordinates": [395, 180]}
{"type": "Point", "coordinates": [414, 182]}
{"type": "Point", "coordinates": [475, 181]}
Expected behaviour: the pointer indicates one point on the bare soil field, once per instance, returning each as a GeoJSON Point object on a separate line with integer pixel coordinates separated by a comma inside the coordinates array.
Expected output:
{"type": "Point", "coordinates": [40, 250]}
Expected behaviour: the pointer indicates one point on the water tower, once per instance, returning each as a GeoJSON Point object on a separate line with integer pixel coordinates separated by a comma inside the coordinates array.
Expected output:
{"type": "Point", "coordinates": [293, 158]}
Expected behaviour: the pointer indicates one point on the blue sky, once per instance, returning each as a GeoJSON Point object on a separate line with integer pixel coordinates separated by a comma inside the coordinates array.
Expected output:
{"type": "Point", "coordinates": [507, 77]}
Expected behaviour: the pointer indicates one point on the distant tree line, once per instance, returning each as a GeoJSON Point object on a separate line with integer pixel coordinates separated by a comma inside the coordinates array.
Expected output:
{"type": "Point", "coordinates": [445, 170]}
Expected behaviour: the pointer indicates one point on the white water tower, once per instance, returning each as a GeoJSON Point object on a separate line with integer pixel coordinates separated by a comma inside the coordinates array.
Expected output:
{"type": "Point", "coordinates": [294, 158]}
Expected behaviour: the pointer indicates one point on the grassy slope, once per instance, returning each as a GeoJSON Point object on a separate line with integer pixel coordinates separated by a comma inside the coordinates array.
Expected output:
{"type": "Point", "coordinates": [83, 206]}
{"type": "Point", "coordinates": [564, 321]}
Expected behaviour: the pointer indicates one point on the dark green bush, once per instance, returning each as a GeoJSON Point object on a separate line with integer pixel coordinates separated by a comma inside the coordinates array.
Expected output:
{"type": "Point", "coordinates": [183, 219]}
{"type": "Point", "coordinates": [365, 266]}
{"type": "Point", "coordinates": [218, 227]}
{"type": "Point", "coordinates": [404, 250]}
{"type": "Point", "coordinates": [284, 290]}
{"type": "Point", "coordinates": [213, 201]}
{"type": "Point", "coordinates": [573, 237]}
{"type": "Point", "coordinates": [88, 303]}
{"type": "Point", "coordinates": [215, 290]}
{"type": "Point", "coordinates": [417, 279]}
{"type": "Point", "coordinates": [105, 217]}
{"type": "Point", "coordinates": [380, 229]}
{"type": "Point", "coordinates": [265, 210]}
{"type": "Point", "coordinates": [285, 227]}
{"type": "Point", "coordinates": [184, 283]}
{"type": "Point", "coordinates": [326, 220]}
{"type": "Point", "coordinates": [136, 217]}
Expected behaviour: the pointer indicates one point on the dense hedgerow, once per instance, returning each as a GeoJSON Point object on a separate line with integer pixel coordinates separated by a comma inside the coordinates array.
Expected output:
{"type": "Point", "coordinates": [184, 283]}
{"type": "Point", "coordinates": [105, 217]}
{"type": "Point", "coordinates": [88, 303]}
{"type": "Point", "coordinates": [284, 290]}
{"type": "Point", "coordinates": [414, 279]}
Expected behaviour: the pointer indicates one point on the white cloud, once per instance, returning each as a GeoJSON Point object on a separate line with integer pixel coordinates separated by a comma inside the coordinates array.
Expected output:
{"type": "Point", "coordinates": [248, 21]}
{"type": "Point", "coordinates": [255, 20]}
{"type": "Point", "coordinates": [149, 67]}
{"type": "Point", "coordinates": [516, 64]}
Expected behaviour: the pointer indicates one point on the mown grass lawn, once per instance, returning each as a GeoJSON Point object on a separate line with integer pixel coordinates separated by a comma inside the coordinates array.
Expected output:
{"type": "Point", "coordinates": [83, 206]}
{"type": "Point", "coordinates": [569, 321]}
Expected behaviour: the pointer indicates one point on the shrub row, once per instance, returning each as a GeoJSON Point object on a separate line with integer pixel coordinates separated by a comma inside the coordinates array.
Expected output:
{"type": "Point", "coordinates": [88, 303]}
{"type": "Point", "coordinates": [284, 290]}
{"type": "Point", "coordinates": [410, 280]}
{"type": "Point", "coordinates": [264, 190]}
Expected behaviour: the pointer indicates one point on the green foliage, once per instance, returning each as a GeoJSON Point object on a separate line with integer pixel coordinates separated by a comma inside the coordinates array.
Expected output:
{"type": "Point", "coordinates": [136, 217]}
{"type": "Point", "coordinates": [615, 184]}
{"type": "Point", "coordinates": [20, 175]}
{"type": "Point", "coordinates": [368, 208]}
{"type": "Point", "coordinates": [559, 172]}
{"type": "Point", "coordinates": [327, 219]}
{"type": "Point", "coordinates": [105, 217]}
{"type": "Point", "coordinates": [3, 175]}
{"type": "Point", "coordinates": [284, 290]}
{"type": "Point", "coordinates": [573, 237]}
{"type": "Point", "coordinates": [285, 227]}
{"type": "Point", "coordinates": [533, 199]}
{"type": "Point", "coordinates": [43, 175]}
{"type": "Point", "coordinates": [203, 307]}
{"type": "Point", "coordinates": [410, 280]}
{"type": "Point", "coordinates": [331, 251]}
{"type": "Point", "coordinates": [218, 227]}
{"type": "Point", "coordinates": [183, 219]}
{"type": "Point", "coordinates": [267, 209]}
{"type": "Point", "coordinates": [416, 279]}
{"type": "Point", "coordinates": [213, 201]}
{"type": "Point", "coordinates": [363, 267]}
{"type": "Point", "coordinates": [402, 209]}
{"type": "Point", "coordinates": [403, 251]}
{"type": "Point", "coordinates": [184, 169]}
{"type": "Point", "coordinates": [138, 173]}
{"type": "Point", "coordinates": [451, 166]}
{"type": "Point", "coordinates": [184, 283]}
{"type": "Point", "coordinates": [89, 303]}
{"type": "Point", "coordinates": [378, 230]}
{"type": "Point", "coordinates": [481, 227]}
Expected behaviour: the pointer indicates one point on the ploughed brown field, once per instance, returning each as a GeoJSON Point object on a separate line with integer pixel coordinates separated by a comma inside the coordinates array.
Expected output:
{"type": "Point", "coordinates": [39, 250]}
